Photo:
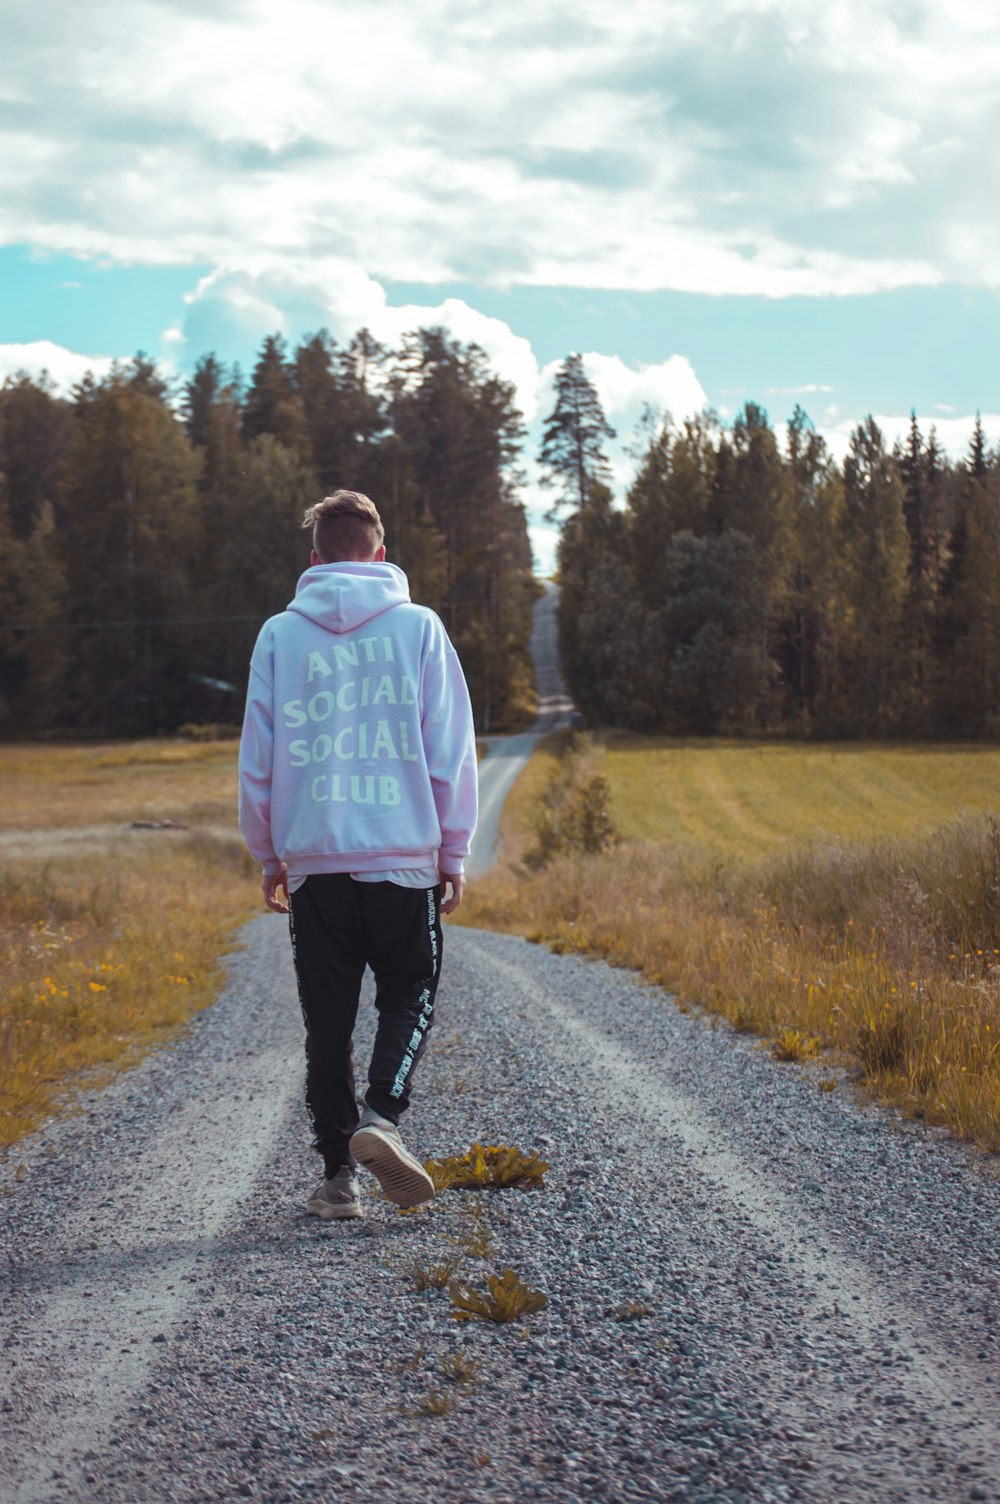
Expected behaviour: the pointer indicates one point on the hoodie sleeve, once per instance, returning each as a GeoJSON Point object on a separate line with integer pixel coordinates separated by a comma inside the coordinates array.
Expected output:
{"type": "Point", "coordinates": [449, 739]}
{"type": "Point", "coordinates": [256, 760]}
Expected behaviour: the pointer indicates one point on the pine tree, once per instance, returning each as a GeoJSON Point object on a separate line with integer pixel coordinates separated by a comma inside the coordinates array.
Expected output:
{"type": "Point", "coordinates": [718, 672]}
{"type": "Point", "coordinates": [672, 492]}
{"type": "Point", "coordinates": [11, 641]}
{"type": "Point", "coordinates": [35, 427]}
{"type": "Point", "coordinates": [201, 393]}
{"type": "Point", "coordinates": [212, 419]}
{"type": "Point", "coordinates": [131, 533]}
{"type": "Point", "coordinates": [593, 560]}
{"type": "Point", "coordinates": [818, 610]}
{"type": "Point", "coordinates": [974, 601]}
{"type": "Point", "coordinates": [876, 551]}
{"type": "Point", "coordinates": [272, 404]}
{"type": "Point", "coordinates": [142, 374]}
{"type": "Point", "coordinates": [456, 435]}
{"type": "Point", "coordinates": [924, 477]}
{"type": "Point", "coordinates": [41, 607]}
{"type": "Point", "coordinates": [364, 395]}
{"type": "Point", "coordinates": [754, 496]}
{"type": "Point", "coordinates": [572, 455]}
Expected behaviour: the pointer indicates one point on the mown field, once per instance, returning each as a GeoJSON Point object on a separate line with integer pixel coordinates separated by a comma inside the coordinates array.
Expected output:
{"type": "Point", "coordinates": [842, 901]}
{"type": "Point", "coordinates": [110, 937]}
{"type": "Point", "coordinates": [748, 799]}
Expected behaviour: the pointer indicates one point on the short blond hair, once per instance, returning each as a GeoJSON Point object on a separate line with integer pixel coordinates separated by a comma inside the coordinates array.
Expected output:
{"type": "Point", "coordinates": [345, 525]}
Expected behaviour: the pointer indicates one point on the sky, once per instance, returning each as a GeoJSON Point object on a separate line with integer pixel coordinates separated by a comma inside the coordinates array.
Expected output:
{"type": "Point", "coordinates": [789, 201]}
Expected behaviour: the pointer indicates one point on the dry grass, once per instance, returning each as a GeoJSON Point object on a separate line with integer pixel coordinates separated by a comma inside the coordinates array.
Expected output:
{"type": "Point", "coordinates": [57, 787]}
{"type": "Point", "coordinates": [489, 1167]}
{"type": "Point", "coordinates": [109, 942]}
{"type": "Point", "coordinates": [504, 1298]}
{"type": "Point", "coordinates": [431, 1406]}
{"type": "Point", "coordinates": [886, 952]}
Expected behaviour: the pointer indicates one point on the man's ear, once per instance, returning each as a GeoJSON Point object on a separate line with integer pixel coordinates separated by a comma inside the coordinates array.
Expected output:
{"type": "Point", "coordinates": [314, 559]}
{"type": "Point", "coordinates": [379, 555]}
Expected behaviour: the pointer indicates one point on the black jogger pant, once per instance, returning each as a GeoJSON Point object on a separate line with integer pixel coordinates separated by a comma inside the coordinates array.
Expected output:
{"type": "Point", "coordinates": [338, 926]}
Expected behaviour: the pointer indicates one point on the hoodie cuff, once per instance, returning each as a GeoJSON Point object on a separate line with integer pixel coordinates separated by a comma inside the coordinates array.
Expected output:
{"type": "Point", "coordinates": [451, 866]}
{"type": "Point", "coordinates": [272, 866]}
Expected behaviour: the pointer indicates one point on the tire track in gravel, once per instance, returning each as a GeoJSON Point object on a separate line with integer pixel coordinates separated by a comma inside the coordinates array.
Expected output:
{"type": "Point", "coordinates": [111, 1261]}
{"type": "Point", "coordinates": [937, 1373]}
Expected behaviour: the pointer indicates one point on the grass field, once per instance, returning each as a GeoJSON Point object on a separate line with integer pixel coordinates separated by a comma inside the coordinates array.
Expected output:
{"type": "Point", "coordinates": [860, 928]}
{"type": "Point", "coordinates": [750, 798]}
{"type": "Point", "coordinates": [55, 788]}
{"type": "Point", "coordinates": [110, 938]}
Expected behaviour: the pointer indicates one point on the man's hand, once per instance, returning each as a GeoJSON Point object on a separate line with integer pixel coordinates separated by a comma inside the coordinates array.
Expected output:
{"type": "Point", "coordinates": [270, 883]}
{"type": "Point", "coordinates": [456, 881]}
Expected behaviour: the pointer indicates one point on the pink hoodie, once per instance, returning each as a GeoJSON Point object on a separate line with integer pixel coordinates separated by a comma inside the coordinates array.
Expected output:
{"type": "Point", "coordinates": [358, 750]}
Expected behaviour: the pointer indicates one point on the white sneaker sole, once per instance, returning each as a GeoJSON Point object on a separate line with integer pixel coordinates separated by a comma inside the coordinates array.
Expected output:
{"type": "Point", "coordinates": [332, 1213]}
{"type": "Point", "coordinates": [403, 1179]}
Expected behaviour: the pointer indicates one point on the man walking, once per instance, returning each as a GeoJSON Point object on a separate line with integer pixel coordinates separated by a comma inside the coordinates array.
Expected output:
{"type": "Point", "coordinates": [358, 794]}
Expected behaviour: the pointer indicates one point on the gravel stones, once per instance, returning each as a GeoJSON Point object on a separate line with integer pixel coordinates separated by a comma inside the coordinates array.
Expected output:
{"type": "Point", "coordinates": [756, 1291]}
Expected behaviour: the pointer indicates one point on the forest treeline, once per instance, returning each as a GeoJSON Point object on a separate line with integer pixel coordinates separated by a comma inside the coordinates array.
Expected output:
{"type": "Point", "coordinates": [754, 585]}
{"type": "Point", "coordinates": [750, 583]}
{"type": "Point", "coordinates": [146, 533]}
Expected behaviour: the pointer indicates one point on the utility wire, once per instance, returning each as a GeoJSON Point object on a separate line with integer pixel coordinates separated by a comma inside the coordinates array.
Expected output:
{"type": "Point", "coordinates": [152, 621]}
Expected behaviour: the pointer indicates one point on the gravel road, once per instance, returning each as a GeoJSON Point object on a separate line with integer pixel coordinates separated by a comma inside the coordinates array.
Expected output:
{"type": "Point", "coordinates": [756, 1291]}
{"type": "Point", "coordinates": [507, 755]}
{"type": "Point", "coordinates": [813, 1285]}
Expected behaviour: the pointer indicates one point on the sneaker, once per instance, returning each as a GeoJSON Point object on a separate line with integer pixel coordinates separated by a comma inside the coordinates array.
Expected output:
{"type": "Point", "coordinates": [337, 1198]}
{"type": "Point", "coordinates": [378, 1146]}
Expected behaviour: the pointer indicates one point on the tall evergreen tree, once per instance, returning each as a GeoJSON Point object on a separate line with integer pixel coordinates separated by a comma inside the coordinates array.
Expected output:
{"type": "Point", "coordinates": [572, 454]}
{"type": "Point", "coordinates": [460, 430]}
{"type": "Point", "coordinates": [35, 427]}
{"type": "Point", "coordinates": [718, 673]}
{"type": "Point", "coordinates": [924, 479]}
{"type": "Point", "coordinates": [672, 492]}
{"type": "Point", "coordinates": [272, 404]}
{"type": "Point", "coordinates": [11, 641]}
{"type": "Point", "coordinates": [974, 600]}
{"type": "Point", "coordinates": [131, 531]}
{"type": "Point", "coordinates": [44, 645]}
{"type": "Point", "coordinates": [818, 611]}
{"type": "Point", "coordinates": [877, 558]}
{"type": "Point", "coordinates": [201, 393]}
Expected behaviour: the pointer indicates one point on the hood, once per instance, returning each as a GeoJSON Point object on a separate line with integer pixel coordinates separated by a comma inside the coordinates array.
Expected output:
{"type": "Point", "coordinates": [345, 595]}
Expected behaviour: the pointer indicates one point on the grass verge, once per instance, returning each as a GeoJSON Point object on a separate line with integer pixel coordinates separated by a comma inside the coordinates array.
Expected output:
{"type": "Point", "coordinates": [885, 952]}
{"type": "Point", "coordinates": [110, 938]}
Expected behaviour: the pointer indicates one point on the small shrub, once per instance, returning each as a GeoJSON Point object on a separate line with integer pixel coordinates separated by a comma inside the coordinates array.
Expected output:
{"type": "Point", "coordinates": [459, 1369]}
{"type": "Point", "coordinates": [487, 1166]}
{"type": "Point", "coordinates": [505, 1298]}
{"type": "Point", "coordinates": [795, 1044]}
{"type": "Point", "coordinates": [433, 1404]}
{"type": "Point", "coordinates": [631, 1310]}
{"type": "Point", "coordinates": [436, 1276]}
{"type": "Point", "coordinates": [573, 812]}
{"type": "Point", "coordinates": [830, 1084]}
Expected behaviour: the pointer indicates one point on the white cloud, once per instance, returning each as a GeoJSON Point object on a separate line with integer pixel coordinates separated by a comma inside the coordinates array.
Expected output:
{"type": "Point", "coordinates": [625, 391]}
{"type": "Point", "coordinates": [756, 146]}
{"type": "Point", "coordinates": [807, 389]}
{"type": "Point", "coordinates": [65, 367]}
